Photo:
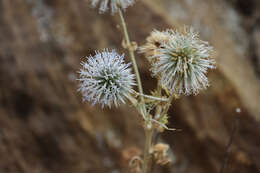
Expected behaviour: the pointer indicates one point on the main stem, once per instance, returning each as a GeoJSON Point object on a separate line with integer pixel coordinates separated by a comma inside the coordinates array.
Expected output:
{"type": "Point", "coordinates": [149, 136]}
{"type": "Point", "coordinates": [148, 144]}
{"type": "Point", "coordinates": [148, 131]}
{"type": "Point", "coordinates": [132, 56]}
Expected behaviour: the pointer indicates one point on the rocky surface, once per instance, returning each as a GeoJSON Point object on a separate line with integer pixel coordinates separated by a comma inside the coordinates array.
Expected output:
{"type": "Point", "coordinates": [45, 127]}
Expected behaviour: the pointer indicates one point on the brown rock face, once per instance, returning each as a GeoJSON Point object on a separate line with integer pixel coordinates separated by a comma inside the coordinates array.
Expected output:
{"type": "Point", "coordinates": [45, 127]}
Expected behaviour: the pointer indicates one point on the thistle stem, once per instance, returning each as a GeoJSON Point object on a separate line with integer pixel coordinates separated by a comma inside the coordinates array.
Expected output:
{"type": "Point", "coordinates": [149, 136]}
{"type": "Point", "coordinates": [158, 109]}
{"type": "Point", "coordinates": [228, 147]}
{"type": "Point", "coordinates": [135, 103]}
{"type": "Point", "coordinates": [148, 144]}
{"type": "Point", "coordinates": [167, 107]}
{"type": "Point", "coordinates": [148, 130]}
{"type": "Point", "coordinates": [132, 56]}
{"type": "Point", "coordinates": [153, 97]}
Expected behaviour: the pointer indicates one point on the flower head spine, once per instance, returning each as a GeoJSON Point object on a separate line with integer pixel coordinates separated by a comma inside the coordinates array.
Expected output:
{"type": "Point", "coordinates": [106, 79]}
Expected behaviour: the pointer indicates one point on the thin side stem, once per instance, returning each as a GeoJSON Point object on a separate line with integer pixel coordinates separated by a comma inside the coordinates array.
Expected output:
{"type": "Point", "coordinates": [158, 109]}
{"type": "Point", "coordinates": [132, 56]}
{"type": "Point", "coordinates": [153, 97]}
{"type": "Point", "coordinates": [167, 107]}
{"type": "Point", "coordinates": [228, 147]}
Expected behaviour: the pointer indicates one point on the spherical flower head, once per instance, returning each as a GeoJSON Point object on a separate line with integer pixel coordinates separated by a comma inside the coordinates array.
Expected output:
{"type": "Point", "coordinates": [113, 5]}
{"type": "Point", "coordinates": [106, 79]}
{"type": "Point", "coordinates": [182, 62]}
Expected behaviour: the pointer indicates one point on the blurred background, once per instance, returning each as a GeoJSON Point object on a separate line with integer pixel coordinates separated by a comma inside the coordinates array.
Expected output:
{"type": "Point", "coordinates": [45, 127]}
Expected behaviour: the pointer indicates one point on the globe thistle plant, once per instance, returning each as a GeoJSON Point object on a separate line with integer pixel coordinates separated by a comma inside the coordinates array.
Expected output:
{"type": "Point", "coordinates": [182, 62]}
{"type": "Point", "coordinates": [179, 61]}
{"type": "Point", "coordinates": [113, 5]}
{"type": "Point", "coordinates": [106, 79]}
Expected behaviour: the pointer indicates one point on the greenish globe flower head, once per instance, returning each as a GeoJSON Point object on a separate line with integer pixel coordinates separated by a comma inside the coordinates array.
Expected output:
{"type": "Point", "coordinates": [182, 62]}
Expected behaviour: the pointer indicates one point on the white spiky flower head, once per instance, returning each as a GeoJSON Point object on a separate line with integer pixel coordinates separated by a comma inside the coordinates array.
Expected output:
{"type": "Point", "coordinates": [113, 5]}
{"type": "Point", "coordinates": [183, 62]}
{"type": "Point", "coordinates": [106, 79]}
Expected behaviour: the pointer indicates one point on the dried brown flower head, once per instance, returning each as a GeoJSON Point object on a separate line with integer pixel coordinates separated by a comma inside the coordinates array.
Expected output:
{"type": "Point", "coordinates": [131, 157]}
{"type": "Point", "coordinates": [160, 154]}
{"type": "Point", "coordinates": [153, 43]}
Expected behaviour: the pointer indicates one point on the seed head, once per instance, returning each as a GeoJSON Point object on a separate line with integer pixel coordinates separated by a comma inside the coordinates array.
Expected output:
{"type": "Point", "coordinates": [154, 42]}
{"type": "Point", "coordinates": [113, 5]}
{"type": "Point", "coordinates": [106, 78]}
{"type": "Point", "coordinates": [182, 61]}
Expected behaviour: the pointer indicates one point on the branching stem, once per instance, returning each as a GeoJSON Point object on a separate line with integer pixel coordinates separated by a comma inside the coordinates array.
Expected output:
{"type": "Point", "coordinates": [149, 130]}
